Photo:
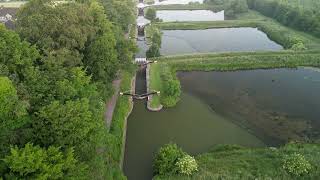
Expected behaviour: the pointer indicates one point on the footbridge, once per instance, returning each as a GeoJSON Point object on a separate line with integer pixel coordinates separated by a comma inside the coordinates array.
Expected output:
{"type": "Point", "coordinates": [139, 96]}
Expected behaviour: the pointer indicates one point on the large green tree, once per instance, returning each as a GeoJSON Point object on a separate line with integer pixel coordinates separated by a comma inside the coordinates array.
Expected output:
{"type": "Point", "coordinates": [34, 162]}
{"type": "Point", "coordinates": [13, 114]}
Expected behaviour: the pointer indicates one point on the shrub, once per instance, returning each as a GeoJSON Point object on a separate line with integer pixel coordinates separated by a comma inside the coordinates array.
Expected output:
{"type": "Point", "coordinates": [151, 14]}
{"type": "Point", "coordinates": [153, 51]}
{"type": "Point", "coordinates": [171, 88]}
{"type": "Point", "coordinates": [298, 47]}
{"type": "Point", "coordinates": [187, 165]}
{"type": "Point", "coordinates": [296, 164]}
{"type": "Point", "coordinates": [166, 159]}
{"type": "Point", "coordinates": [156, 38]}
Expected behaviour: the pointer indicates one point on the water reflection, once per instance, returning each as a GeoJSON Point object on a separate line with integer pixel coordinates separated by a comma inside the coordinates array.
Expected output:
{"type": "Point", "coordinates": [168, 2]}
{"type": "Point", "coordinates": [186, 15]}
{"type": "Point", "coordinates": [176, 42]}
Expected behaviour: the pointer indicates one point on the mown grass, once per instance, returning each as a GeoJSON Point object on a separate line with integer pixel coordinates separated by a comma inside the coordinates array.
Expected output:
{"type": "Point", "coordinates": [155, 84]}
{"type": "Point", "coordinates": [284, 36]}
{"type": "Point", "coordinates": [232, 62]}
{"type": "Point", "coordinates": [235, 162]}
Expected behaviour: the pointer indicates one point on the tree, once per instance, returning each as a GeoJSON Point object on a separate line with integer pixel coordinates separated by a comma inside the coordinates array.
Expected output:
{"type": "Point", "coordinates": [235, 7]}
{"type": "Point", "coordinates": [166, 159]}
{"type": "Point", "coordinates": [151, 14]}
{"type": "Point", "coordinates": [13, 114]}
{"type": "Point", "coordinates": [44, 24]}
{"type": "Point", "coordinates": [153, 51]}
{"type": "Point", "coordinates": [64, 125]}
{"type": "Point", "coordinates": [101, 59]}
{"type": "Point", "coordinates": [34, 162]}
{"type": "Point", "coordinates": [121, 12]}
{"type": "Point", "coordinates": [16, 56]}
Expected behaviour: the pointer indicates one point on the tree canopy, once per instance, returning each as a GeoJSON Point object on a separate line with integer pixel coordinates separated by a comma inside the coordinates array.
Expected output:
{"type": "Point", "coordinates": [56, 73]}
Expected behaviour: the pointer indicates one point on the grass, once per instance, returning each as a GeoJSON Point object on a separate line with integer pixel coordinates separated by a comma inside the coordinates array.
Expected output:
{"type": "Point", "coordinates": [285, 36]}
{"type": "Point", "coordinates": [118, 125]}
{"type": "Point", "coordinates": [235, 162]}
{"type": "Point", "coordinates": [231, 62]}
{"type": "Point", "coordinates": [12, 4]}
{"type": "Point", "coordinates": [155, 84]}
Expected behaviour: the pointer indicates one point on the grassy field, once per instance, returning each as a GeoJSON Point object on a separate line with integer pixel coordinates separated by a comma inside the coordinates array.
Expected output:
{"type": "Point", "coordinates": [12, 4]}
{"type": "Point", "coordinates": [235, 162]}
{"type": "Point", "coordinates": [285, 36]}
{"type": "Point", "coordinates": [155, 84]}
{"type": "Point", "coordinates": [231, 62]}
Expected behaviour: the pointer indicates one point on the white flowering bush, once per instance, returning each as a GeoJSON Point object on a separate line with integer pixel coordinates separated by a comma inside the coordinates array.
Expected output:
{"type": "Point", "coordinates": [187, 165]}
{"type": "Point", "coordinates": [296, 164]}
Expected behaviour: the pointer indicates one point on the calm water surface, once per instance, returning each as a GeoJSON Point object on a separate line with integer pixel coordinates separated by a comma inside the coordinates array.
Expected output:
{"type": "Point", "coordinates": [186, 15]}
{"type": "Point", "coordinates": [276, 105]}
{"type": "Point", "coordinates": [175, 42]}
{"type": "Point", "coordinates": [168, 2]}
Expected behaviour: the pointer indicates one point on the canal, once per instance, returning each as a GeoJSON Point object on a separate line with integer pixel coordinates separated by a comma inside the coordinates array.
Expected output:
{"type": "Point", "coordinates": [255, 108]}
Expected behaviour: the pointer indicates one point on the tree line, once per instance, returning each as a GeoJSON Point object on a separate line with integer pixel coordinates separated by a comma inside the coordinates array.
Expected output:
{"type": "Point", "coordinates": [56, 73]}
{"type": "Point", "coordinates": [295, 16]}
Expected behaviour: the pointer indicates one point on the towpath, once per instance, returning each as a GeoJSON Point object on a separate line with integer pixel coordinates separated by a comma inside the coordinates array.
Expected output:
{"type": "Point", "coordinates": [111, 104]}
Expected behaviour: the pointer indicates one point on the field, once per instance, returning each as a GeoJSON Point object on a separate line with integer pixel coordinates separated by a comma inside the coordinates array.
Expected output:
{"type": "Point", "coordinates": [12, 4]}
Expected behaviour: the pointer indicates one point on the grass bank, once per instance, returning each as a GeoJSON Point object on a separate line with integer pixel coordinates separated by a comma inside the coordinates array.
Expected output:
{"type": "Point", "coordinates": [235, 162]}
{"type": "Point", "coordinates": [285, 36]}
{"type": "Point", "coordinates": [119, 121]}
{"type": "Point", "coordinates": [226, 62]}
{"type": "Point", "coordinates": [155, 84]}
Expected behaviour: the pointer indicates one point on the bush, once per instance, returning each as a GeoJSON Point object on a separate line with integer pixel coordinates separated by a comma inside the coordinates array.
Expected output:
{"type": "Point", "coordinates": [151, 14]}
{"type": "Point", "coordinates": [153, 51]}
{"type": "Point", "coordinates": [236, 7]}
{"type": "Point", "coordinates": [156, 38]}
{"type": "Point", "coordinates": [187, 165]}
{"type": "Point", "coordinates": [171, 88]}
{"type": "Point", "coordinates": [298, 47]}
{"type": "Point", "coordinates": [166, 159]}
{"type": "Point", "coordinates": [296, 164]}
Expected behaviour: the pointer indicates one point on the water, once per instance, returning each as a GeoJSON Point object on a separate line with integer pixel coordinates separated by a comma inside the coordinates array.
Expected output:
{"type": "Point", "coordinates": [168, 2]}
{"type": "Point", "coordinates": [175, 42]}
{"type": "Point", "coordinates": [141, 20]}
{"type": "Point", "coordinates": [186, 15]}
{"type": "Point", "coordinates": [191, 124]}
{"type": "Point", "coordinates": [251, 108]}
{"type": "Point", "coordinates": [277, 105]}
{"type": "Point", "coordinates": [143, 47]}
